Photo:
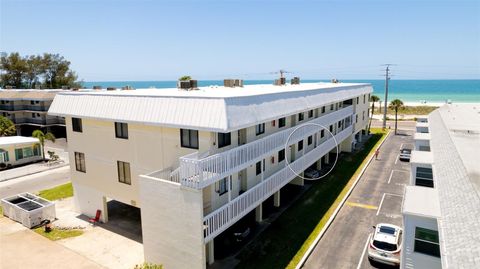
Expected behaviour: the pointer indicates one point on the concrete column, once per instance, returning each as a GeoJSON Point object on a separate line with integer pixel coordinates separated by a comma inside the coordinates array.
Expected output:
{"type": "Point", "coordinates": [276, 199]}
{"type": "Point", "coordinates": [211, 253]}
{"type": "Point", "coordinates": [327, 158]}
{"type": "Point", "coordinates": [319, 164]}
{"type": "Point", "coordinates": [259, 213]}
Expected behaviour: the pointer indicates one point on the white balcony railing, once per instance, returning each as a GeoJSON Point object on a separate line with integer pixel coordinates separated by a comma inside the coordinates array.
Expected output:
{"type": "Point", "coordinates": [197, 172]}
{"type": "Point", "coordinates": [167, 174]}
{"type": "Point", "coordinates": [222, 218]}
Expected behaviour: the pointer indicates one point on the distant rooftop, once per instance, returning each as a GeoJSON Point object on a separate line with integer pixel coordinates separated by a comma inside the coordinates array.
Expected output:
{"type": "Point", "coordinates": [213, 108]}
{"type": "Point", "coordinates": [17, 140]}
{"type": "Point", "coordinates": [30, 94]}
{"type": "Point", "coordinates": [455, 143]}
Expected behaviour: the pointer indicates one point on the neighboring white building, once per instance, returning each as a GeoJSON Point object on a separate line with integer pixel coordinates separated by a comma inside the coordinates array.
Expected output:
{"type": "Point", "coordinates": [198, 161]}
{"type": "Point", "coordinates": [18, 150]}
{"type": "Point", "coordinates": [441, 207]}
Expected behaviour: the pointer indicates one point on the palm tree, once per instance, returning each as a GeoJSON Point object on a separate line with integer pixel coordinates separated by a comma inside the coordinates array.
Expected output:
{"type": "Point", "coordinates": [396, 104]}
{"type": "Point", "coordinates": [373, 99]}
{"type": "Point", "coordinates": [42, 137]}
{"type": "Point", "coordinates": [7, 127]}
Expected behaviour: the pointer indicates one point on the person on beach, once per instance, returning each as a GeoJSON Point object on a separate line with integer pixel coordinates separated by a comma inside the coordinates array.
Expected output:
{"type": "Point", "coordinates": [376, 154]}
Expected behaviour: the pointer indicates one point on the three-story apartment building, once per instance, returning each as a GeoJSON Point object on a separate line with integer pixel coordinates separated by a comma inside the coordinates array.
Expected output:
{"type": "Point", "coordinates": [195, 162]}
{"type": "Point", "coordinates": [28, 110]}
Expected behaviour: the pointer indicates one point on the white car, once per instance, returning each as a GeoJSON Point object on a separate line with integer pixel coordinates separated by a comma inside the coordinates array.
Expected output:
{"type": "Point", "coordinates": [385, 244]}
{"type": "Point", "coordinates": [405, 154]}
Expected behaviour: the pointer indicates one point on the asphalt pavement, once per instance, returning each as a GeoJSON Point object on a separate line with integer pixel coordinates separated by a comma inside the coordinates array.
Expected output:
{"type": "Point", "coordinates": [377, 198]}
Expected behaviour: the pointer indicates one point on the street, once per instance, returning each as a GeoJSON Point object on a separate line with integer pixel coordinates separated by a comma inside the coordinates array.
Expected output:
{"type": "Point", "coordinates": [35, 182]}
{"type": "Point", "coordinates": [376, 199]}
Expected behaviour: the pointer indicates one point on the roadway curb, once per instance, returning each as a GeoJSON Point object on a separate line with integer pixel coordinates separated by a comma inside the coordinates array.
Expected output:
{"type": "Point", "coordinates": [332, 217]}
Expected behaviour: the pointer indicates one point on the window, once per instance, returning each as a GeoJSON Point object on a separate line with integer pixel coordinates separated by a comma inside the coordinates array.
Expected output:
{"type": "Point", "coordinates": [300, 116]}
{"type": "Point", "coordinates": [260, 129]}
{"type": "Point", "coordinates": [356, 118]}
{"type": "Point", "coordinates": [77, 125]}
{"type": "Point", "coordinates": [18, 154]}
{"type": "Point", "coordinates": [281, 155]}
{"type": "Point", "coordinates": [121, 130]}
{"type": "Point", "coordinates": [36, 150]}
{"type": "Point", "coordinates": [33, 115]}
{"type": "Point", "coordinates": [258, 168]}
{"type": "Point", "coordinates": [364, 96]}
{"type": "Point", "coordinates": [322, 133]}
{"type": "Point", "coordinates": [32, 102]}
{"type": "Point", "coordinates": [282, 122]}
{"type": "Point", "coordinates": [331, 128]}
{"type": "Point", "coordinates": [221, 186]}
{"type": "Point", "coordinates": [224, 139]}
{"type": "Point", "coordinates": [123, 169]}
{"type": "Point", "coordinates": [424, 177]}
{"type": "Point", "coordinates": [426, 242]}
{"type": "Point", "coordinates": [80, 162]}
{"type": "Point", "coordinates": [310, 113]}
{"type": "Point", "coordinates": [189, 138]}
{"type": "Point", "coordinates": [323, 109]}
{"type": "Point", "coordinates": [339, 124]}
{"type": "Point", "coordinates": [358, 100]}
{"type": "Point", "coordinates": [310, 140]}
{"type": "Point", "coordinates": [363, 115]}
{"type": "Point", "coordinates": [300, 145]}
{"type": "Point", "coordinates": [331, 107]}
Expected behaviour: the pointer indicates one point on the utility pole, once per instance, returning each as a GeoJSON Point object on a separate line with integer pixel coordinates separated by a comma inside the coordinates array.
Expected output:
{"type": "Point", "coordinates": [387, 78]}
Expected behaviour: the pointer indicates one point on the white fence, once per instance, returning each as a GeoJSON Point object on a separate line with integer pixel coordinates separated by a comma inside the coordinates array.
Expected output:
{"type": "Point", "coordinates": [198, 172]}
{"type": "Point", "coordinates": [222, 218]}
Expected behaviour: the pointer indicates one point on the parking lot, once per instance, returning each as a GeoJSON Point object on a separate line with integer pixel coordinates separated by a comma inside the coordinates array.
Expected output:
{"type": "Point", "coordinates": [377, 198]}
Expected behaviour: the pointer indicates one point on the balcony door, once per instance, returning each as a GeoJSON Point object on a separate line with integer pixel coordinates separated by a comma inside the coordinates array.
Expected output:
{"type": "Point", "coordinates": [242, 136]}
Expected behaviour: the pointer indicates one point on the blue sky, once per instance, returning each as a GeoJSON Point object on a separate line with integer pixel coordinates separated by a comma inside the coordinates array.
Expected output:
{"type": "Point", "coordinates": [162, 40]}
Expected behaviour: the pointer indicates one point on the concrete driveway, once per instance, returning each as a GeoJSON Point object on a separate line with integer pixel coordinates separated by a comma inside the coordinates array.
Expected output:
{"type": "Point", "coordinates": [22, 248]}
{"type": "Point", "coordinates": [377, 198]}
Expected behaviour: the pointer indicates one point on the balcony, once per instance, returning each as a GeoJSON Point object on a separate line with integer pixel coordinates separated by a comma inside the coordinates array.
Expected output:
{"type": "Point", "coordinates": [39, 121]}
{"type": "Point", "coordinates": [198, 172]}
{"type": "Point", "coordinates": [221, 219]}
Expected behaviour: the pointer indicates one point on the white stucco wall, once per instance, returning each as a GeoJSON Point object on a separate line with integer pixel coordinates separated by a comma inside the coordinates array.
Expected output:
{"type": "Point", "coordinates": [172, 224]}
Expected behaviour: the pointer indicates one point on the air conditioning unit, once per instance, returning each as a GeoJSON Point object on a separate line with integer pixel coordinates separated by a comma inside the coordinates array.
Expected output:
{"type": "Point", "coordinates": [97, 87]}
{"type": "Point", "coordinates": [295, 81]}
{"type": "Point", "coordinates": [233, 83]}
{"type": "Point", "coordinates": [111, 89]}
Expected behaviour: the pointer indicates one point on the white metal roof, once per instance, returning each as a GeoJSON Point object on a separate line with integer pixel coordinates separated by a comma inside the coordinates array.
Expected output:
{"type": "Point", "coordinates": [421, 157]}
{"type": "Point", "coordinates": [421, 136]}
{"type": "Point", "coordinates": [17, 140]}
{"type": "Point", "coordinates": [209, 108]}
{"type": "Point", "coordinates": [421, 201]}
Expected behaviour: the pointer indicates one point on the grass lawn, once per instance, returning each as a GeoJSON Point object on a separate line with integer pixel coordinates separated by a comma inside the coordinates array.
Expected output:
{"type": "Point", "coordinates": [57, 234]}
{"type": "Point", "coordinates": [409, 110]}
{"type": "Point", "coordinates": [58, 192]}
{"type": "Point", "coordinates": [285, 241]}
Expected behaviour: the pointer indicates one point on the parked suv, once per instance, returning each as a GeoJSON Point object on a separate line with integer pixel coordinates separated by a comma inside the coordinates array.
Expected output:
{"type": "Point", "coordinates": [385, 244]}
{"type": "Point", "coordinates": [311, 173]}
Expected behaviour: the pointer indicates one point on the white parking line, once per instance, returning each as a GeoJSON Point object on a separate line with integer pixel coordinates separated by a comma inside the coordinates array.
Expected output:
{"type": "Point", "coordinates": [383, 198]}
{"type": "Point", "coordinates": [401, 146]}
{"type": "Point", "coordinates": [391, 174]}
{"type": "Point", "coordinates": [381, 202]}
{"type": "Point", "coordinates": [396, 159]}
{"type": "Point", "coordinates": [363, 253]}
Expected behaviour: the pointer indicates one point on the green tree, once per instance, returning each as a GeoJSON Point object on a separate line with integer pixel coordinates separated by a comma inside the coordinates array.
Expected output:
{"type": "Point", "coordinates": [373, 99]}
{"type": "Point", "coordinates": [50, 71]}
{"type": "Point", "coordinates": [396, 105]}
{"type": "Point", "coordinates": [42, 137]}
{"type": "Point", "coordinates": [185, 78]}
{"type": "Point", "coordinates": [15, 68]}
{"type": "Point", "coordinates": [7, 127]}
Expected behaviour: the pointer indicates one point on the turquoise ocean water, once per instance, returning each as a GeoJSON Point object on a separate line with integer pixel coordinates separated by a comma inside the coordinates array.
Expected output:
{"type": "Point", "coordinates": [431, 91]}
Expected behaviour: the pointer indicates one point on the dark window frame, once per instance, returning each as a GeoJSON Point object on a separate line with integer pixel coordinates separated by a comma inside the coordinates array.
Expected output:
{"type": "Point", "coordinates": [192, 138]}
{"type": "Point", "coordinates": [300, 145]}
{"type": "Point", "coordinates": [77, 125]}
{"type": "Point", "coordinates": [224, 139]}
{"type": "Point", "coordinates": [258, 168]}
{"type": "Point", "coordinates": [123, 176]}
{"type": "Point", "coordinates": [310, 113]}
{"type": "Point", "coordinates": [309, 140]}
{"type": "Point", "coordinates": [301, 116]}
{"type": "Point", "coordinates": [281, 155]}
{"type": "Point", "coordinates": [427, 246]}
{"type": "Point", "coordinates": [80, 162]}
{"type": "Point", "coordinates": [121, 130]}
{"type": "Point", "coordinates": [282, 122]}
{"type": "Point", "coordinates": [260, 129]}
